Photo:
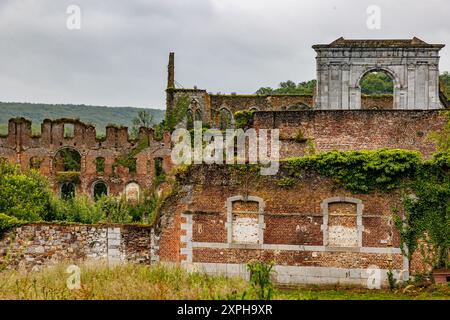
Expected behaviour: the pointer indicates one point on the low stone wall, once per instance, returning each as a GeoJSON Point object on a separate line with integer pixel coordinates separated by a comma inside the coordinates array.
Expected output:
{"type": "Point", "coordinates": [48, 244]}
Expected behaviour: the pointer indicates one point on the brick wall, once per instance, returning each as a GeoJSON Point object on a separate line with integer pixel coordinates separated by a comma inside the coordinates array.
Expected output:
{"type": "Point", "coordinates": [293, 224]}
{"type": "Point", "coordinates": [19, 146]}
{"type": "Point", "coordinates": [347, 130]}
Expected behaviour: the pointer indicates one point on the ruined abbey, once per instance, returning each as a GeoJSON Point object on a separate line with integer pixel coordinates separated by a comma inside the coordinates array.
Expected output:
{"type": "Point", "coordinates": [316, 231]}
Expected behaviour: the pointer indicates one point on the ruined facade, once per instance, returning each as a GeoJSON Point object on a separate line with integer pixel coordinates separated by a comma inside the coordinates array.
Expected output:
{"type": "Point", "coordinates": [98, 168]}
{"type": "Point", "coordinates": [412, 64]}
{"type": "Point", "coordinates": [219, 218]}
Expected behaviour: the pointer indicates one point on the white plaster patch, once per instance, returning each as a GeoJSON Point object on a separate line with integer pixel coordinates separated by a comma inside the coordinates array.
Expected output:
{"type": "Point", "coordinates": [245, 230]}
{"type": "Point", "coordinates": [340, 236]}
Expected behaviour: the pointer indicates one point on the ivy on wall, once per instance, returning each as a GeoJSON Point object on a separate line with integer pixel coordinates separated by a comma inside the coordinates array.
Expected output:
{"type": "Point", "coordinates": [360, 171]}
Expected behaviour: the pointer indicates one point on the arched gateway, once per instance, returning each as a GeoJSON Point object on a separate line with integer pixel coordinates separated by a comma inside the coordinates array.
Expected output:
{"type": "Point", "coordinates": [413, 65]}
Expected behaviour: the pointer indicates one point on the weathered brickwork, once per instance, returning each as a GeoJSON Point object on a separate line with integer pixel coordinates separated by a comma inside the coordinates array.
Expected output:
{"type": "Point", "coordinates": [20, 147]}
{"type": "Point", "coordinates": [296, 225]}
{"type": "Point", "coordinates": [347, 130]}
{"type": "Point", "coordinates": [48, 244]}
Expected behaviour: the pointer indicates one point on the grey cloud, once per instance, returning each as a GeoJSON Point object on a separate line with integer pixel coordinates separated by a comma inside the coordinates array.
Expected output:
{"type": "Point", "coordinates": [120, 55]}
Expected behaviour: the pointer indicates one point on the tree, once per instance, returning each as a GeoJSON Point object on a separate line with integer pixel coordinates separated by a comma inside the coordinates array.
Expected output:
{"type": "Point", "coordinates": [24, 195]}
{"type": "Point", "coordinates": [143, 119]}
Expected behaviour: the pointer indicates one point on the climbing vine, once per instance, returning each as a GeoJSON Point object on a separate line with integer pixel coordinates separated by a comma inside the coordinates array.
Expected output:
{"type": "Point", "coordinates": [361, 171]}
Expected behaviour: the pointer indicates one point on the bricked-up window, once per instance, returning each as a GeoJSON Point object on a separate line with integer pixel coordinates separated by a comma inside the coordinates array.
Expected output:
{"type": "Point", "coordinates": [245, 225]}
{"type": "Point", "coordinates": [100, 164]}
{"type": "Point", "coordinates": [342, 222]}
{"type": "Point", "coordinates": [69, 130]}
{"type": "Point", "coordinates": [342, 225]}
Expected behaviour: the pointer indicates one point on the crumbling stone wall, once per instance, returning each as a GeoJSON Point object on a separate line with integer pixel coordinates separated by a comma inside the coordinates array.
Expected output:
{"type": "Point", "coordinates": [20, 147]}
{"type": "Point", "coordinates": [48, 244]}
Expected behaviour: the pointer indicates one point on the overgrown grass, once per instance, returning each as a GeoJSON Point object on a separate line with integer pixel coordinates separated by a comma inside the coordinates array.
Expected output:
{"type": "Point", "coordinates": [158, 282]}
{"type": "Point", "coordinates": [100, 282]}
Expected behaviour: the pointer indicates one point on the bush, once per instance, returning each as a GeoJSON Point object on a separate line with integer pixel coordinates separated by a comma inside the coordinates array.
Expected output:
{"type": "Point", "coordinates": [25, 195]}
{"type": "Point", "coordinates": [7, 223]}
{"type": "Point", "coordinates": [260, 279]}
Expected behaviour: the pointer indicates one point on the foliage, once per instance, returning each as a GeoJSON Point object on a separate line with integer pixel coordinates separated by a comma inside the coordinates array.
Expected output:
{"type": "Point", "coordinates": [68, 159]}
{"type": "Point", "coordinates": [391, 280]}
{"type": "Point", "coordinates": [128, 160]}
{"type": "Point", "coordinates": [68, 176]}
{"type": "Point", "coordinates": [260, 279]}
{"type": "Point", "coordinates": [25, 195]}
{"type": "Point", "coordinates": [289, 87]}
{"type": "Point", "coordinates": [427, 218]}
{"type": "Point", "coordinates": [445, 79]}
{"type": "Point", "coordinates": [143, 119]}
{"type": "Point", "coordinates": [361, 171]}
{"type": "Point", "coordinates": [78, 209]}
{"type": "Point", "coordinates": [442, 138]}
{"type": "Point", "coordinates": [100, 164]}
{"type": "Point", "coordinates": [125, 281]}
{"type": "Point", "coordinates": [177, 115]}
{"type": "Point", "coordinates": [8, 222]}
{"type": "Point", "coordinates": [376, 83]}
{"type": "Point", "coordinates": [287, 182]}
{"type": "Point", "coordinates": [243, 118]}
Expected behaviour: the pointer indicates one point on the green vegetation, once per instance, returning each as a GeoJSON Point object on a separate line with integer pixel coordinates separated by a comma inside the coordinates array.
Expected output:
{"type": "Point", "coordinates": [445, 80]}
{"type": "Point", "coordinates": [144, 119]}
{"type": "Point", "coordinates": [260, 279]}
{"type": "Point", "coordinates": [96, 115]}
{"type": "Point", "coordinates": [361, 171]}
{"type": "Point", "coordinates": [27, 197]}
{"type": "Point", "coordinates": [289, 87]}
{"type": "Point", "coordinates": [243, 118]}
{"type": "Point", "coordinates": [377, 83]}
{"type": "Point", "coordinates": [157, 282]}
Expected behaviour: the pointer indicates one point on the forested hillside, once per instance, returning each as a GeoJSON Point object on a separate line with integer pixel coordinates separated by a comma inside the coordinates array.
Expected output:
{"type": "Point", "coordinates": [96, 115]}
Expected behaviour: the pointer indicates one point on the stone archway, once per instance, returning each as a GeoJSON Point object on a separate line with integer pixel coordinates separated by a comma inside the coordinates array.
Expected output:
{"type": "Point", "coordinates": [412, 63]}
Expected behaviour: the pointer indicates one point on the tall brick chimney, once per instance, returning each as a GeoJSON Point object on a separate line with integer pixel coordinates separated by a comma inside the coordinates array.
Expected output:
{"type": "Point", "coordinates": [171, 71]}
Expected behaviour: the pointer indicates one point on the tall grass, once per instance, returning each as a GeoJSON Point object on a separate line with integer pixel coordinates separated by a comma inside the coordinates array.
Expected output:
{"type": "Point", "coordinates": [128, 281]}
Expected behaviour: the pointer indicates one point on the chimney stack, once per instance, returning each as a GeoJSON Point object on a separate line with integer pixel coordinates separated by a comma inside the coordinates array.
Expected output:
{"type": "Point", "coordinates": [171, 71]}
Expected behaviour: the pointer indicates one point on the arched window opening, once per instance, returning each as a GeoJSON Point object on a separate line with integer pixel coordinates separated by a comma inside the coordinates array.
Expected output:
{"type": "Point", "coordinates": [100, 189]}
{"type": "Point", "coordinates": [67, 159]}
{"type": "Point", "coordinates": [67, 190]}
{"type": "Point", "coordinates": [377, 89]}
{"type": "Point", "coordinates": [225, 119]}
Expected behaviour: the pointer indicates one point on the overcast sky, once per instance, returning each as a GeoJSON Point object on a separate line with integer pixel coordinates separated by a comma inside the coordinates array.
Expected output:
{"type": "Point", "coordinates": [119, 56]}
